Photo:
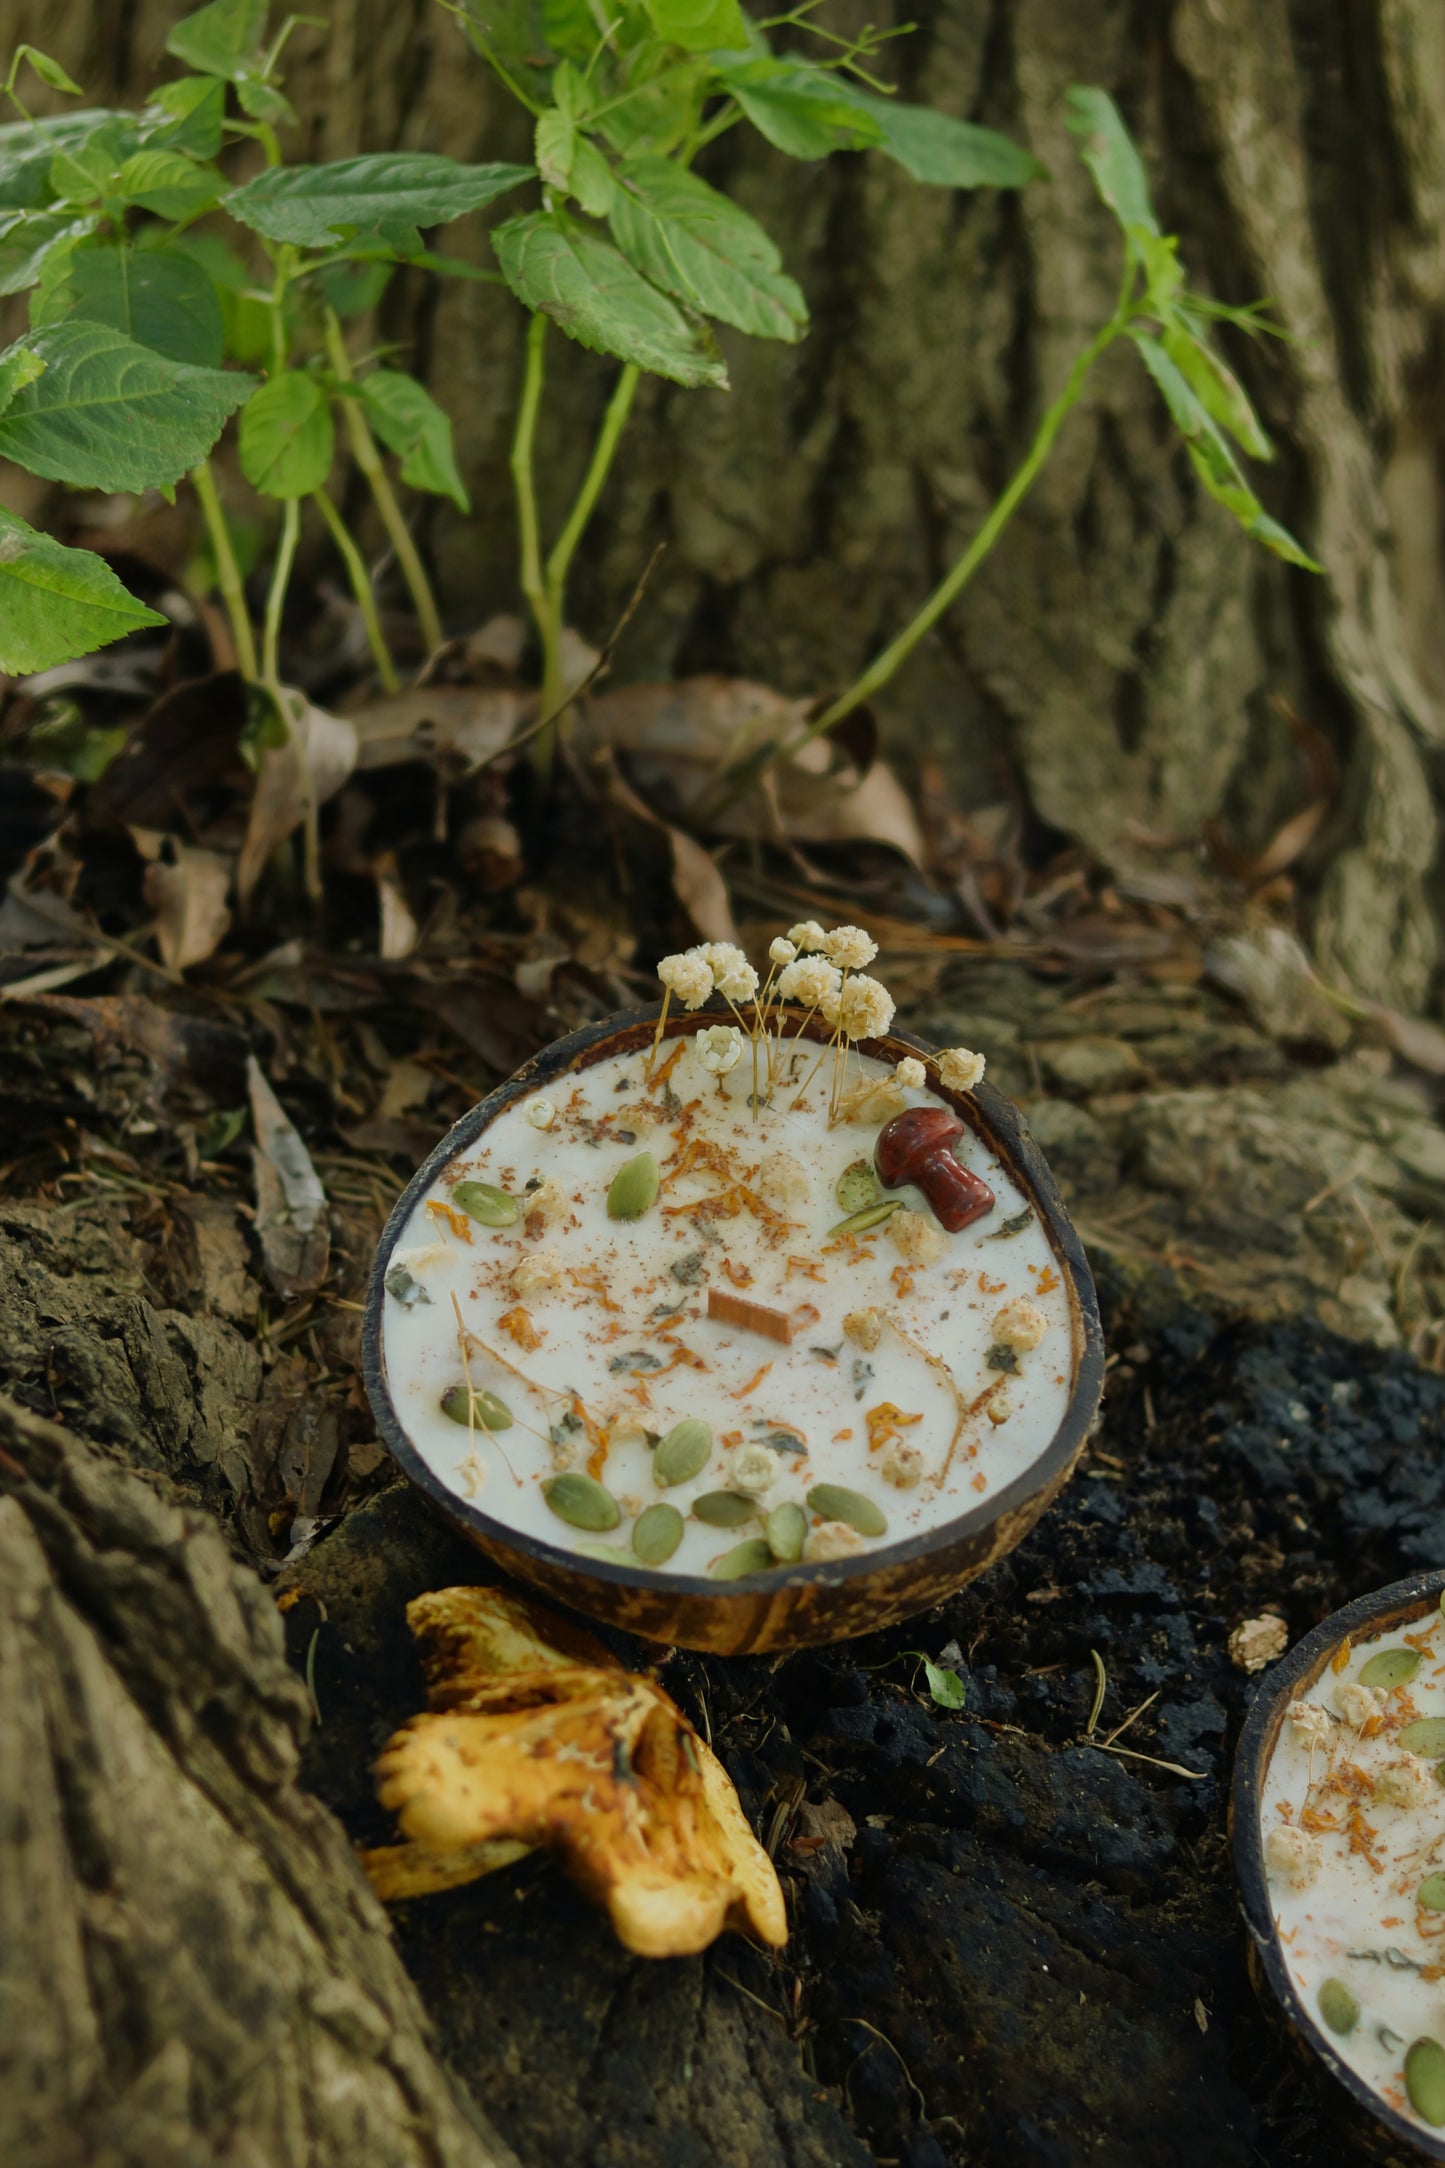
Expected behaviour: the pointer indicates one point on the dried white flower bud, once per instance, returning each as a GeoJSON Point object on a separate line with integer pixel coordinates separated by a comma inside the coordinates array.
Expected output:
{"type": "Point", "coordinates": [917, 1237]}
{"type": "Point", "coordinates": [901, 1465]}
{"type": "Point", "coordinates": [537, 1273]}
{"type": "Point", "coordinates": [733, 976]}
{"type": "Point", "coordinates": [959, 1070]}
{"type": "Point", "coordinates": [911, 1074]}
{"type": "Point", "coordinates": [864, 1328]}
{"type": "Point", "coordinates": [1020, 1324]}
{"type": "Point", "coordinates": [1408, 1782]}
{"type": "Point", "coordinates": [540, 1206]}
{"type": "Point", "coordinates": [806, 935]}
{"type": "Point", "coordinates": [1357, 1704]}
{"type": "Point", "coordinates": [783, 1179]}
{"type": "Point", "coordinates": [810, 981]}
{"type": "Point", "coordinates": [781, 951]}
{"type": "Point", "coordinates": [753, 1469]}
{"type": "Point", "coordinates": [1001, 1407]}
{"type": "Point", "coordinates": [865, 1008]}
{"type": "Point", "coordinates": [719, 1048]}
{"type": "Point", "coordinates": [834, 1539]}
{"type": "Point", "coordinates": [688, 976]}
{"type": "Point", "coordinates": [1294, 1856]}
{"type": "Point", "coordinates": [1311, 1724]}
{"type": "Point", "coordinates": [850, 947]}
{"type": "Point", "coordinates": [541, 1113]}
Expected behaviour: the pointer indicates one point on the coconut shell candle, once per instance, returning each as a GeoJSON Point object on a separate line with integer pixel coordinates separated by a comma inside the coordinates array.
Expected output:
{"type": "Point", "coordinates": [1340, 1836]}
{"type": "Point", "coordinates": [739, 1300]}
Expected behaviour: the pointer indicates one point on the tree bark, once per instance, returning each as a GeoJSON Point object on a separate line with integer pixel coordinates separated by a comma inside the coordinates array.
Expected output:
{"type": "Point", "coordinates": [1126, 645]}
{"type": "Point", "coordinates": [192, 1968]}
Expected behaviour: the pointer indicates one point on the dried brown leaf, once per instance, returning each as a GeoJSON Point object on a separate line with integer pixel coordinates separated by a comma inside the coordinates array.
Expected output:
{"type": "Point", "coordinates": [187, 888]}
{"type": "Point", "coordinates": [318, 756]}
{"type": "Point", "coordinates": [467, 722]}
{"type": "Point", "coordinates": [399, 931]}
{"type": "Point", "coordinates": [290, 1201]}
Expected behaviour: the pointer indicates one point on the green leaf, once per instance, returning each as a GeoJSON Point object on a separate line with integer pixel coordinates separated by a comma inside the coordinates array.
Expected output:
{"type": "Point", "coordinates": [287, 436]}
{"type": "Point", "coordinates": [385, 197]}
{"type": "Point", "coordinates": [592, 179]}
{"type": "Point", "coordinates": [1108, 152]}
{"type": "Point", "coordinates": [936, 148]}
{"type": "Point", "coordinates": [1212, 459]}
{"type": "Point", "coordinates": [168, 184]}
{"type": "Point", "coordinates": [224, 39]}
{"type": "Point", "coordinates": [263, 101]}
{"type": "Point", "coordinates": [554, 142]}
{"type": "Point", "coordinates": [86, 172]}
{"type": "Point", "coordinates": [56, 603]}
{"type": "Point", "coordinates": [27, 148]}
{"type": "Point", "coordinates": [28, 244]}
{"type": "Point", "coordinates": [597, 298]}
{"type": "Point", "coordinates": [49, 71]}
{"type": "Point", "coordinates": [698, 26]}
{"type": "Point", "coordinates": [801, 110]}
{"type": "Point", "coordinates": [704, 249]}
{"type": "Point", "coordinates": [946, 1687]}
{"type": "Point", "coordinates": [1164, 273]}
{"type": "Point", "coordinates": [1217, 389]}
{"type": "Point", "coordinates": [352, 288]}
{"type": "Point", "coordinates": [108, 414]}
{"type": "Point", "coordinates": [159, 297]}
{"type": "Point", "coordinates": [569, 26]}
{"type": "Point", "coordinates": [19, 366]}
{"type": "Point", "coordinates": [186, 116]}
{"type": "Point", "coordinates": [409, 422]}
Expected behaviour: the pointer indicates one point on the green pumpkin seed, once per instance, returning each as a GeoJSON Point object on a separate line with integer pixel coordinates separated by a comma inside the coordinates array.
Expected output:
{"type": "Point", "coordinates": [724, 1508]}
{"type": "Point", "coordinates": [1425, 2079]}
{"type": "Point", "coordinates": [786, 1528]}
{"type": "Point", "coordinates": [657, 1534]}
{"type": "Point", "coordinates": [1338, 2007]}
{"type": "Point", "coordinates": [606, 1554]}
{"type": "Point", "coordinates": [837, 1503]}
{"type": "Point", "coordinates": [1392, 1667]}
{"type": "Point", "coordinates": [634, 1187]}
{"type": "Point", "coordinates": [581, 1502]}
{"type": "Point", "coordinates": [487, 1411]}
{"type": "Point", "coordinates": [485, 1203]}
{"type": "Point", "coordinates": [683, 1453]}
{"type": "Point", "coordinates": [754, 1556]}
{"type": "Point", "coordinates": [1430, 1896]}
{"type": "Point", "coordinates": [1425, 1736]}
{"type": "Point", "coordinates": [857, 1187]}
{"type": "Point", "coordinates": [859, 1222]}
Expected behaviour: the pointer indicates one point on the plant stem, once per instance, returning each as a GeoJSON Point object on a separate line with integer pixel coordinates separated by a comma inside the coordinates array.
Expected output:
{"type": "Point", "coordinates": [884, 666]}
{"type": "Point", "coordinates": [228, 572]}
{"type": "Point", "coordinates": [529, 537]}
{"type": "Point", "coordinates": [276, 594]}
{"type": "Point", "coordinates": [361, 588]}
{"type": "Point", "coordinates": [559, 561]}
{"type": "Point", "coordinates": [368, 458]}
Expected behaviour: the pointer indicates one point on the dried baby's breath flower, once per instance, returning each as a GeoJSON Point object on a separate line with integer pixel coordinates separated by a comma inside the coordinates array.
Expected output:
{"type": "Point", "coordinates": [864, 1328]}
{"type": "Point", "coordinates": [1310, 1724]}
{"type": "Point", "coordinates": [875, 1101]}
{"type": "Point", "coordinates": [1293, 1855]}
{"type": "Point", "coordinates": [910, 1073]}
{"type": "Point", "coordinates": [547, 1202]}
{"type": "Point", "coordinates": [781, 951]}
{"type": "Point", "coordinates": [688, 976]}
{"type": "Point", "coordinates": [865, 1008]}
{"type": "Point", "coordinates": [754, 1469]}
{"type": "Point", "coordinates": [719, 1048]}
{"type": "Point", "coordinates": [917, 1237]}
{"type": "Point", "coordinates": [1019, 1324]}
{"type": "Point", "coordinates": [959, 1070]}
{"type": "Point", "coordinates": [850, 947]}
{"type": "Point", "coordinates": [537, 1273]}
{"type": "Point", "coordinates": [1408, 1782]}
{"type": "Point", "coordinates": [541, 1113]}
{"type": "Point", "coordinates": [1001, 1407]}
{"type": "Point", "coordinates": [1357, 1704]}
{"type": "Point", "coordinates": [901, 1465]}
{"type": "Point", "coordinates": [783, 1179]}
{"type": "Point", "coordinates": [807, 935]}
{"type": "Point", "coordinates": [810, 981]}
{"type": "Point", "coordinates": [834, 1539]}
{"type": "Point", "coordinates": [733, 976]}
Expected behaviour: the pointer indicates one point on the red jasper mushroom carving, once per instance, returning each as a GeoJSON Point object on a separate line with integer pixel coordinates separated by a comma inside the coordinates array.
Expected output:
{"type": "Point", "coordinates": [917, 1147]}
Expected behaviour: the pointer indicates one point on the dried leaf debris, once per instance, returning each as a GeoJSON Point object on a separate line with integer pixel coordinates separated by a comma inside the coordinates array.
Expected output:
{"type": "Point", "coordinates": [536, 1736]}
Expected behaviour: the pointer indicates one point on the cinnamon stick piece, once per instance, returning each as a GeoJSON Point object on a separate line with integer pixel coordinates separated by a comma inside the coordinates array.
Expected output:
{"type": "Point", "coordinates": [752, 1316]}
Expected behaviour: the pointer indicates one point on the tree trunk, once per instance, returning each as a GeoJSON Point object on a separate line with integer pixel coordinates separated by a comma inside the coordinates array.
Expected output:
{"type": "Point", "coordinates": [1125, 643]}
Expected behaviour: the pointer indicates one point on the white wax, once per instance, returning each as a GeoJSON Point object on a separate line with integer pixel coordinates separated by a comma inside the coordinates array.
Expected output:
{"type": "Point", "coordinates": [622, 1298]}
{"type": "Point", "coordinates": [1354, 1918]}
